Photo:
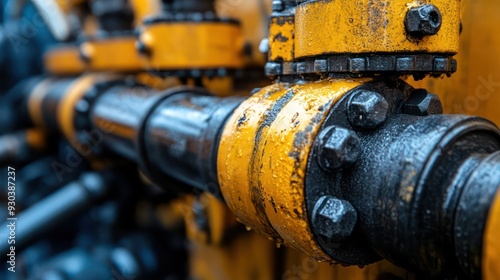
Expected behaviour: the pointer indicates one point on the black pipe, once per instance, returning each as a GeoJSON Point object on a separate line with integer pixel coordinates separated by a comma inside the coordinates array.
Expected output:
{"type": "Point", "coordinates": [182, 138]}
{"type": "Point", "coordinates": [16, 149]}
{"type": "Point", "coordinates": [189, 6]}
{"type": "Point", "coordinates": [65, 203]}
{"type": "Point", "coordinates": [117, 115]}
{"type": "Point", "coordinates": [411, 183]}
{"type": "Point", "coordinates": [113, 15]}
{"type": "Point", "coordinates": [173, 135]}
{"type": "Point", "coordinates": [422, 187]}
{"type": "Point", "coordinates": [14, 106]}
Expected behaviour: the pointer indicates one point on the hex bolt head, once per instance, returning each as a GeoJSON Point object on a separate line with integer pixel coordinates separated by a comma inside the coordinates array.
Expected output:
{"type": "Point", "coordinates": [367, 109]}
{"type": "Point", "coordinates": [338, 147]}
{"type": "Point", "coordinates": [333, 219]}
{"type": "Point", "coordinates": [423, 21]}
{"type": "Point", "coordinates": [273, 69]}
{"type": "Point", "coordinates": [264, 46]}
{"type": "Point", "coordinates": [142, 48]}
{"type": "Point", "coordinates": [277, 6]}
{"type": "Point", "coordinates": [422, 103]}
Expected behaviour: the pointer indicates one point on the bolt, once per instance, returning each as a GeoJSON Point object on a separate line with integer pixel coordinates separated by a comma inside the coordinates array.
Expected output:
{"type": "Point", "coordinates": [82, 106]}
{"type": "Point", "coordinates": [422, 103]}
{"type": "Point", "coordinates": [200, 217]}
{"type": "Point", "coordinates": [264, 46]}
{"type": "Point", "coordinates": [84, 56]}
{"type": "Point", "coordinates": [142, 48]}
{"type": "Point", "coordinates": [338, 147]}
{"type": "Point", "coordinates": [334, 219]}
{"type": "Point", "coordinates": [367, 109]}
{"type": "Point", "coordinates": [277, 6]}
{"type": "Point", "coordinates": [273, 69]}
{"type": "Point", "coordinates": [423, 21]}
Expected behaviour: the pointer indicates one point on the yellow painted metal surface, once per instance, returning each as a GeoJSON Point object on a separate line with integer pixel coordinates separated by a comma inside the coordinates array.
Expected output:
{"type": "Point", "coordinates": [220, 86]}
{"type": "Point", "coordinates": [368, 26]}
{"type": "Point", "coordinates": [234, 179]}
{"type": "Point", "coordinates": [64, 60]}
{"type": "Point", "coordinates": [491, 249]}
{"type": "Point", "coordinates": [246, 256]}
{"type": "Point", "coordinates": [35, 102]}
{"type": "Point", "coordinates": [145, 8]}
{"type": "Point", "coordinates": [299, 266]}
{"type": "Point", "coordinates": [281, 38]}
{"type": "Point", "coordinates": [220, 220]}
{"type": "Point", "coordinates": [113, 54]}
{"type": "Point", "coordinates": [156, 82]}
{"type": "Point", "coordinates": [66, 108]}
{"type": "Point", "coordinates": [224, 250]}
{"type": "Point", "coordinates": [475, 88]}
{"type": "Point", "coordinates": [191, 45]}
{"type": "Point", "coordinates": [263, 156]}
{"type": "Point", "coordinates": [254, 18]}
{"type": "Point", "coordinates": [67, 5]}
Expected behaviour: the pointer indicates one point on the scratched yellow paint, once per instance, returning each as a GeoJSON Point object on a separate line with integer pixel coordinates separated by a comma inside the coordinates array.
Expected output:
{"type": "Point", "coordinates": [475, 88]}
{"type": "Point", "coordinates": [281, 39]}
{"type": "Point", "coordinates": [193, 45]}
{"type": "Point", "coordinates": [235, 151]}
{"type": "Point", "coordinates": [263, 157]}
{"type": "Point", "coordinates": [368, 26]}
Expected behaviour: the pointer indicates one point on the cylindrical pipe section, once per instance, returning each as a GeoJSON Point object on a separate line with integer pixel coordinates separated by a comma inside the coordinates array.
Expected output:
{"type": "Point", "coordinates": [117, 116]}
{"type": "Point", "coordinates": [21, 147]}
{"type": "Point", "coordinates": [471, 216]}
{"type": "Point", "coordinates": [171, 134]}
{"type": "Point", "coordinates": [54, 209]}
{"type": "Point", "coordinates": [423, 189]}
{"type": "Point", "coordinates": [189, 6]}
{"type": "Point", "coordinates": [182, 137]}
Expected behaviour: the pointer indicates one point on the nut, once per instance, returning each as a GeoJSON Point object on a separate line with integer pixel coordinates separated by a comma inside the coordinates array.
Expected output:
{"type": "Point", "coordinates": [277, 6]}
{"type": "Point", "coordinates": [338, 147]}
{"type": "Point", "coordinates": [273, 69]}
{"type": "Point", "coordinates": [422, 103]}
{"type": "Point", "coordinates": [423, 21]}
{"type": "Point", "coordinates": [142, 48]}
{"type": "Point", "coordinates": [334, 219]}
{"type": "Point", "coordinates": [367, 109]}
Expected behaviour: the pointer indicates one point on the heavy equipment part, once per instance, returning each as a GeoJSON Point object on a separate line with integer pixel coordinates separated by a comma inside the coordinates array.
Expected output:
{"type": "Point", "coordinates": [302, 42]}
{"type": "Point", "coordinates": [190, 41]}
{"type": "Point", "coordinates": [340, 158]}
{"type": "Point", "coordinates": [270, 162]}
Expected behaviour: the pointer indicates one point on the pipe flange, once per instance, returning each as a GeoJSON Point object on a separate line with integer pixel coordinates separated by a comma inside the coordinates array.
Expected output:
{"type": "Point", "coordinates": [350, 249]}
{"type": "Point", "coordinates": [82, 121]}
{"type": "Point", "coordinates": [365, 65]}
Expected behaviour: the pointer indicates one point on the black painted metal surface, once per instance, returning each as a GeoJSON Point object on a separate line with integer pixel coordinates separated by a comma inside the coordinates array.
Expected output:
{"type": "Point", "coordinates": [412, 187]}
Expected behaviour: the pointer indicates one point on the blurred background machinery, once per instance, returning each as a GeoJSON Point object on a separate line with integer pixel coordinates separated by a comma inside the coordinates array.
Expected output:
{"type": "Point", "coordinates": [148, 139]}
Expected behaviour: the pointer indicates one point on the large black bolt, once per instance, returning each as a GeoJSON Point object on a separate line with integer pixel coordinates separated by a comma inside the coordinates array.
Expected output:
{"type": "Point", "coordinates": [333, 219]}
{"type": "Point", "coordinates": [338, 147]}
{"type": "Point", "coordinates": [422, 103]}
{"type": "Point", "coordinates": [423, 21]}
{"type": "Point", "coordinates": [367, 109]}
